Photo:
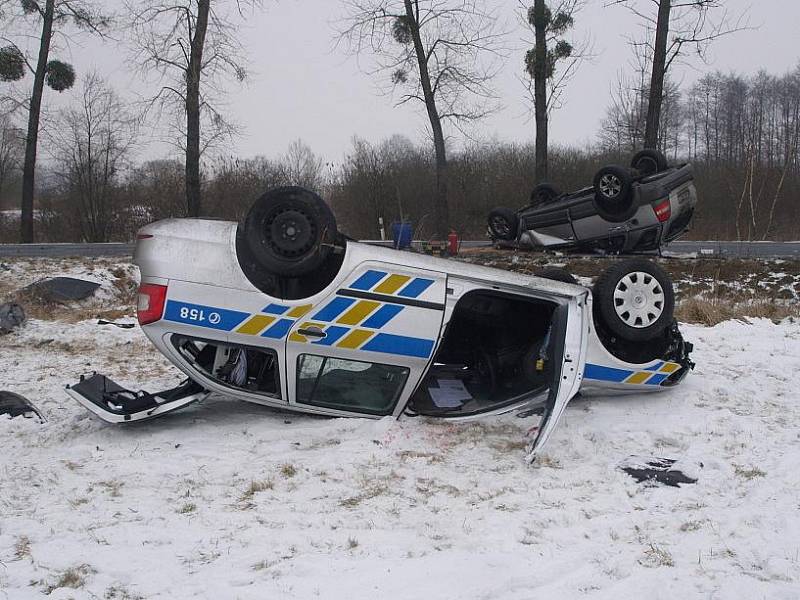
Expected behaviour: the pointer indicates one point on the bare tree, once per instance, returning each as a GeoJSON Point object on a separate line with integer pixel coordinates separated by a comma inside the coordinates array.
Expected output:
{"type": "Point", "coordinates": [90, 147]}
{"type": "Point", "coordinates": [302, 167]}
{"type": "Point", "coordinates": [549, 22]}
{"type": "Point", "coordinates": [12, 146]}
{"type": "Point", "coordinates": [56, 17]}
{"type": "Point", "coordinates": [192, 46]}
{"type": "Point", "coordinates": [441, 53]}
{"type": "Point", "coordinates": [676, 26]}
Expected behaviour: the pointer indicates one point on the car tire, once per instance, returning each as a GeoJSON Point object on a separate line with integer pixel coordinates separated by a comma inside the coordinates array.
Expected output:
{"type": "Point", "coordinates": [290, 231]}
{"type": "Point", "coordinates": [542, 194]}
{"type": "Point", "coordinates": [649, 162]}
{"type": "Point", "coordinates": [503, 224]}
{"type": "Point", "coordinates": [613, 194]}
{"type": "Point", "coordinates": [634, 300]}
{"type": "Point", "coordinates": [557, 274]}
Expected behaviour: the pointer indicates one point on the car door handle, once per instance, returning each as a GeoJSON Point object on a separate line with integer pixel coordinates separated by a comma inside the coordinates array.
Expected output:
{"type": "Point", "coordinates": [312, 332]}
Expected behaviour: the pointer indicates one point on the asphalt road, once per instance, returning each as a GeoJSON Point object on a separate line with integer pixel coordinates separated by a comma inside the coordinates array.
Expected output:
{"type": "Point", "coordinates": [700, 249]}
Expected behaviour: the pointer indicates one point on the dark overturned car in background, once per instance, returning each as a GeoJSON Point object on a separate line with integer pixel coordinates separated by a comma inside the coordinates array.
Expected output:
{"type": "Point", "coordinates": [636, 209]}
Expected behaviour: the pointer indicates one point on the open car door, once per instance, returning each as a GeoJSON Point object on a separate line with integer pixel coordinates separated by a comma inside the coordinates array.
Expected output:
{"type": "Point", "coordinates": [571, 324]}
{"type": "Point", "coordinates": [504, 349]}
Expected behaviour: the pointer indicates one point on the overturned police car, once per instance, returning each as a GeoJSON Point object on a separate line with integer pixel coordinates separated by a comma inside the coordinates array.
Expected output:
{"type": "Point", "coordinates": [283, 310]}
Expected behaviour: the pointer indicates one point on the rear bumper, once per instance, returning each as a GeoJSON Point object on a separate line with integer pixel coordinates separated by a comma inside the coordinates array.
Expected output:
{"type": "Point", "coordinates": [115, 404]}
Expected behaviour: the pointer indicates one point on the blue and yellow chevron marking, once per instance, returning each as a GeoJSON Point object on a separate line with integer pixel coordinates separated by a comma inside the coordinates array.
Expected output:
{"type": "Point", "coordinates": [653, 375]}
{"type": "Point", "coordinates": [348, 323]}
{"type": "Point", "coordinates": [391, 284]}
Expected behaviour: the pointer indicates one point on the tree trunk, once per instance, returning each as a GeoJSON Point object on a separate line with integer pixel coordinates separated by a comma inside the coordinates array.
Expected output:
{"type": "Point", "coordinates": [657, 75]}
{"type": "Point", "coordinates": [540, 89]}
{"type": "Point", "coordinates": [193, 74]}
{"type": "Point", "coordinates": [441, 216]}
{"type": "Point", "coordinates": [32, 140]}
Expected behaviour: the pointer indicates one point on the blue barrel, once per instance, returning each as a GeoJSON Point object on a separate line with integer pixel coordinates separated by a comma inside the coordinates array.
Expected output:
{"type": "Point", "coordinates": [402, 232]}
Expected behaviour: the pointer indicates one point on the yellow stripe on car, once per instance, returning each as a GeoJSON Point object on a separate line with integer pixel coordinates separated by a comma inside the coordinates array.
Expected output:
{"type": "Point", "coordinates": [670, 368]}
{"type": "Point", "coordinates": [391, 284]}
{"type": "Point", "coordinates": [255, 324]}
{"type": "Point", "coordinates": [357, 313]}
{"type": "Point", "coordinates": [300, 311]}
{"type": "Point", "coordinates": [639, 377]}
{"type": "Point", "coordinates": [355, 338]}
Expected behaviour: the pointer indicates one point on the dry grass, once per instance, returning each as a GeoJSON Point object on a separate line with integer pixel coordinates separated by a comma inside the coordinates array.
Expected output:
{"type": "Point", "coordinates": [288, 470]}
{"type": "Point", "coordinates": [22, 547]}
{"type": "Point", "coordinates": [255, 487]}
{"type": "Point", "coordinates": [187, 508]}
{"type": "Point", "coordinates": [656, 556]}
{"type": "Point", "coordinates": [716, 310]}
{"type": "Point", "coordinates": [748, 472]}
{"type": "Point", "coordinates": [74, 577]}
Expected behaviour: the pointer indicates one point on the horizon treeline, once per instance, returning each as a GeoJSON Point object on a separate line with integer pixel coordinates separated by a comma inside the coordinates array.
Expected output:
{"type": "Point", "coordinates": [742, 134]}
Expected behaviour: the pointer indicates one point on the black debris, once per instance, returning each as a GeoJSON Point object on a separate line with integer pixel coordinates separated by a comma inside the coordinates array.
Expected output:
{"type": "Point", "coordinates": [12, 316]}
{"type": "Point", "coordinates": [115, 324]}
{"type": "Point", "coordinates": [61, 289]}
{"type": "Point", "coordinates": [15, 405]}
{"type": "Point", "coordinates": [658, 470]}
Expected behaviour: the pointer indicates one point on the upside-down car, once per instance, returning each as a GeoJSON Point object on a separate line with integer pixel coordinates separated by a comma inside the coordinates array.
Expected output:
{"type": "Point", "coordinates": [626, 210]}
{"type": "Point", "coordinates": [282, 310]}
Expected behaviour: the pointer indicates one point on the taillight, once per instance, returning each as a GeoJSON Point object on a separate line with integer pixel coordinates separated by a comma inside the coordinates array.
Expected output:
{"type": "Point", "coordinates": [663, 210]}
{"type": "Point", "coordinates": [150, 304]}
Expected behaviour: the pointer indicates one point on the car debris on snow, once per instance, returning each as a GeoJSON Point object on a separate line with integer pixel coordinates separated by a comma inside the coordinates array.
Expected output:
{"type": "Point", "coordinates": [61, 290]}
{"type": "Point", "coordinates": [14, 405]}
{"type": "Point", "coordinates": [12, 315]}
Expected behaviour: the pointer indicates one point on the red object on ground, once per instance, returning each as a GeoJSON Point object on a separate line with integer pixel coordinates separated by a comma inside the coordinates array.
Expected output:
{"type": "Point", "coordinates": [452, 243]}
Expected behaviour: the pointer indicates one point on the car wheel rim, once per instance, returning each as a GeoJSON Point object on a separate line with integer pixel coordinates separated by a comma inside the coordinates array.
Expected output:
{"type": "Point", "coordinates": [290, 232]}
{"type": "Point", "coordinates": [500, 226]}
{"type": "Point", "coordinates": [639, 300]}
{"type": "Point", "coordinates": [610, 186]}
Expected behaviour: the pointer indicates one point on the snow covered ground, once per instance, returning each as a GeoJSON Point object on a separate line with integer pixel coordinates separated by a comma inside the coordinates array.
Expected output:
{"type": "Point", "coordinates": [229, 500]}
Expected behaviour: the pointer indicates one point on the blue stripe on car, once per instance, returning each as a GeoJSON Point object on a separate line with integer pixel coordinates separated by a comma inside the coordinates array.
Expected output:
{"type": "Point", "coordinates": [200, 315]}
{"type": "Point", "coordinates": [398, 344]}
{"type": "Point", "coordinates": [275, 309]}
{"type": "Point", "coordinates": [368, 280]}
{"type": "Point", "coordinates": [657, 379]}
{"type": "Point", "coordinates": [333, 309]}
{"type": "Point", "coordinates": [382, 316]}
{"type": "Point", "coordinates": [279, 329]}
{"type": "Point", "coordinates": [605, 373]}
{"type": "Point", "coordinates": [415, 287]}
{"type": "Point", "coordinates": [332, 335]}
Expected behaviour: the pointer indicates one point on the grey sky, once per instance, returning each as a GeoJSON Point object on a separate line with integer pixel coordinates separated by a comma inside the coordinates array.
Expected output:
{"type": "Point", "coordinates": [300, 87]}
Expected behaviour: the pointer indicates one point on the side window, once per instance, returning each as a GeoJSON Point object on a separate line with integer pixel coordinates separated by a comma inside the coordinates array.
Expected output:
{"type": "Point", "coordinates": [242, 367]}
{"type": "Point", "coordinates": [349, 385]}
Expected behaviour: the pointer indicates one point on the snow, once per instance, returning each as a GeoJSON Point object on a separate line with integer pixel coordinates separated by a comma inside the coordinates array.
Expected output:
{"type": "Point", "coordinates": [231, 500]}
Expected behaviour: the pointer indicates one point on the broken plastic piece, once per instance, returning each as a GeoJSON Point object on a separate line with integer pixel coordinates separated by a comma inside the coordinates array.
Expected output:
{"type": "Point", "coordinates": [655, 469]}
{"type": "Point", "coordinates": [15, 405]}
{"type": "Point", "coordinates": [62, 289]}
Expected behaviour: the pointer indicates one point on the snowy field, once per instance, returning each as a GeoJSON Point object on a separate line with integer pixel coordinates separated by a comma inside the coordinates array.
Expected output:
{"type": "Point", "coordinates": [229, 500]}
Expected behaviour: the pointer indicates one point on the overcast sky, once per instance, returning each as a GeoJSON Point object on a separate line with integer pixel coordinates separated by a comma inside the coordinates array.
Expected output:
{"type": "Point", "coordinates": [301, 87]}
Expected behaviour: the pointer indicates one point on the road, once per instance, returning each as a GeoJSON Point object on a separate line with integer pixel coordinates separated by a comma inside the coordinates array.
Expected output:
{"type": "Point", "coordinates": [785, 250]}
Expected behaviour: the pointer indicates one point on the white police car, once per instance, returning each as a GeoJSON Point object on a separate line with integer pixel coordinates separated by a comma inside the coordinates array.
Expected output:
{"type": "Point", "coordinates": [284, 311]}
